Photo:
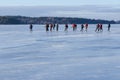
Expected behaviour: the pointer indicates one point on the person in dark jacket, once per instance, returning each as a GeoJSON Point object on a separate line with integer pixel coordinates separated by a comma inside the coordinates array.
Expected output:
{"type": "Point", "coordinates": [82, 26]}
{"type": "Point", "coordinates": [66, 27]}
{"type": "Point", "coordinates": [109, 27]}
{"type": "Point", "coordinates": [47, 27]}
{"type": "Point", "coordinates": [57, 27]}
{"type": "Point", "coordinates": [31, 27]}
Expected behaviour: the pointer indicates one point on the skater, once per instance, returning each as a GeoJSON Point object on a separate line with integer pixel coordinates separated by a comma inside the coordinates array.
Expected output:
{"type": "Point", "coordinates": [47, 27]}
{"type": "Point", "coordinates": [97, 28]}
{"type": "Point", "coordinates": [86, 27]}
{"type": "Point", "coordinates": [74, 26]}
{"type": "Point", "coordinates": [54, 26]}
{"type": "Point", "coordinates": [31, 27]}
{"type": "Point", "coordinates": [66, 27]}
{"type": "Point", "coordinates": [109, 27]}
{"type": "Point", "coordinates": [101, 27]}
{"type": "Point", "coordinates": [57, 27]}
{"type": "Point", "coordinates": [51, 26]}
{"type": "Point", "coordinates": [82, 26]}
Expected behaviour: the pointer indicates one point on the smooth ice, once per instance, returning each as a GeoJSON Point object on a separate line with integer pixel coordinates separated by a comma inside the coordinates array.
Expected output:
{"type": "Point", "coordinates": [41, 55]}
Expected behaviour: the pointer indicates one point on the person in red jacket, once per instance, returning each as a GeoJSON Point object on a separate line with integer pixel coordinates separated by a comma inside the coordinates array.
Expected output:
{"type": "Point", "coordinates": [101, 27]}
{"type": "Point", "coordinates": [51, 27]}
{"type": "Point", "coordinates": [86, 27]}
{"type": "Point", "coordinates": [74, 26]}
{"type": "Point", "coordinates": [97, 28]}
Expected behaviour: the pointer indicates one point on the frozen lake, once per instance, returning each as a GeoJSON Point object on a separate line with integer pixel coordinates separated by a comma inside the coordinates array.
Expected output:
{"type": "Point", "coordinates": [41, 55]}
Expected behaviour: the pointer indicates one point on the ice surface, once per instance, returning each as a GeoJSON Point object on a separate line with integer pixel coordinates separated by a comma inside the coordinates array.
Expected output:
{"type": "Point", "coordinates": [41, 55]}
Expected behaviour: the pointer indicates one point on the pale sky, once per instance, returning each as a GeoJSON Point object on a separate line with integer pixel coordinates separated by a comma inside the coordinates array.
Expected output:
{"type": "Point", "coordinates": [57, 2]}
{"type": "Point", "coordinates": [93, 9]}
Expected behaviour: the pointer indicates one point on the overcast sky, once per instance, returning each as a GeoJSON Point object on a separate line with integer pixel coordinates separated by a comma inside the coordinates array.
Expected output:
{"type": "Point", "coordinates": [97, 9]}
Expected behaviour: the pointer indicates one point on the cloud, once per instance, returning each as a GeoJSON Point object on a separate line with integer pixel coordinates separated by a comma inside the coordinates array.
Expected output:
{"type": "Point", "coordinates": [85, 11]}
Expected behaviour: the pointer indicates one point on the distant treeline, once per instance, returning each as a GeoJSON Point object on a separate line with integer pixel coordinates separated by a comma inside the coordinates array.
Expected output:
{"type": "Point", "coordinates": [44, 20]}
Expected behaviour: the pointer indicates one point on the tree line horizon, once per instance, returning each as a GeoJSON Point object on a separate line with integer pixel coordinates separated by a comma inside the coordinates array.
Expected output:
{"type": "Point", "coordinates": [55, 20]}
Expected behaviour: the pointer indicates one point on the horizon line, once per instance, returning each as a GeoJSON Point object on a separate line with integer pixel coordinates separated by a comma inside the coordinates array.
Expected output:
{"type": "Point", "coordinates": [54, 17]}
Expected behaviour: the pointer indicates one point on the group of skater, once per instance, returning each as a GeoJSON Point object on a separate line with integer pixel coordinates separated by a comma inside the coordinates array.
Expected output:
{"type": "Point", "coordinates": [50, 27]}
{"type": "Point", "coordinates": [99, 27]}
{"type": "Point", "coordinates": [84, 27]}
